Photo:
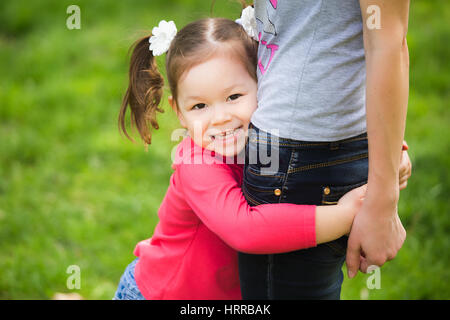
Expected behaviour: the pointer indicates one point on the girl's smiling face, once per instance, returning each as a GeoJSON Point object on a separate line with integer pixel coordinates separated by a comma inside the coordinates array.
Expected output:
{"type": "Point", "coordinates": [216, 99]}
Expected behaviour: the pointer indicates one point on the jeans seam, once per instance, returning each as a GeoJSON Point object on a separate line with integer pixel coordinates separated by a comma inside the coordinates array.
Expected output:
{"type": "Point", "coordinates": [248, 197]}
{"type": "Point", "coordinates": [327, 164]}
{"type": "Point", "coordinates": [263, 175]}
{"type": "Point", "coordinates": [296, 144]}
{"type": "Point", "coordinates": [329, 202]}
{"type": "Point", "coordinates": [287, 175]}
{"type": "Point", "coordinates": [257, 190]}
{"type": "Point", "coordinates": [312, 144]}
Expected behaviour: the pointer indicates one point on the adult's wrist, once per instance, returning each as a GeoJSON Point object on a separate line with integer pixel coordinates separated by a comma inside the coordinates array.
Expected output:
{"type": "Point", "coordinates": [385, 187]}
{"type": "Point", "coordinates": [382, 199]}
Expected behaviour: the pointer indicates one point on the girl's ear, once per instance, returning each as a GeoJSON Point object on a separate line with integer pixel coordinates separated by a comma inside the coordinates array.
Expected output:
{"type": "Point", "coordinates": [173, 104]}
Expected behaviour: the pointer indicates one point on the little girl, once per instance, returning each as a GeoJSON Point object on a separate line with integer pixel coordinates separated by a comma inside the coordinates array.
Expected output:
{"type": "Point", "coordinates": [204, 217]}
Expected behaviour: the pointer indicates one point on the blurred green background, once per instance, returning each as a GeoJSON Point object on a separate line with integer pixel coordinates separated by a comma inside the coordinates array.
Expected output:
{"type": "Point", "coordinates": [73, 191]}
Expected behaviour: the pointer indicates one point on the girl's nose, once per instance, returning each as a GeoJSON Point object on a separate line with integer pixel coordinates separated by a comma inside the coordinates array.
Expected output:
{"type": "Point", "coordinates": [220, 115]}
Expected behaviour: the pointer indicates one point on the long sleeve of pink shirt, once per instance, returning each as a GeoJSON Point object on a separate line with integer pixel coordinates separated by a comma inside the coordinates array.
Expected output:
{"type": "Point", "coordinates": [214, 193]}
{"type": "Point", "coordinates": [204, 220]}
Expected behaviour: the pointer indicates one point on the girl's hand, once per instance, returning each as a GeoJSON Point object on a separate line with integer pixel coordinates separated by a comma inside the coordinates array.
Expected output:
{"type": "Point", "coordinates": [332, 222]}
{"type": "Point", "coordinates": [352, 201]}
{"type": "Point", "coordinates": [405, 167]}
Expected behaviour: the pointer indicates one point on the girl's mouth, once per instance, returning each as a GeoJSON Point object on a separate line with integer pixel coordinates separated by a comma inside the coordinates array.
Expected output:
{"type": "Point", "coordinates": [227, 135]}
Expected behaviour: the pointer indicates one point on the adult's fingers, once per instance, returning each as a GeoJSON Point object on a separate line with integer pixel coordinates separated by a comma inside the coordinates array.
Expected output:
{"type": "Point", "coordinates": [352, 259]}
{"type": "Point", "coordinates": [363, 265]}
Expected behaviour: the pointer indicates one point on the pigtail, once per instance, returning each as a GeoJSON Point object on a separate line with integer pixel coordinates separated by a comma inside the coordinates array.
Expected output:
{"type": "Point", "coordinates": [144, 92]}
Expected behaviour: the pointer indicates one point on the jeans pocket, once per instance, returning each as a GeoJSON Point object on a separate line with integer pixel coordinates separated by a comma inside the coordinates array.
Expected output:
{"type": "Point", "coordinates": [331, 196]}
{"type": "Point", "coordinates": [261, 188]}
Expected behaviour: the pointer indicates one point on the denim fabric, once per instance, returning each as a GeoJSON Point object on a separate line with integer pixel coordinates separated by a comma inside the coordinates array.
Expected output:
{"type": "Point", "coordinates": [315, 173]}
{"type": "Point", "coordinates": [127, 289]}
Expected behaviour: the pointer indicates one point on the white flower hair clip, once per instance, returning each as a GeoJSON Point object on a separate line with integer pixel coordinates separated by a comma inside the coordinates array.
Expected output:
{"type": "Point", "coordinates": [248, 22]}
{"type": "Point", "coordinates": [162, 36]}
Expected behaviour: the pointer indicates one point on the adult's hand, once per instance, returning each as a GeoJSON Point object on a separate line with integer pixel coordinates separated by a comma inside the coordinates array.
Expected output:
{"type": "Point", "coordinates": [380, 235]}
{"type": "Point", "coordinates": [377, 235]}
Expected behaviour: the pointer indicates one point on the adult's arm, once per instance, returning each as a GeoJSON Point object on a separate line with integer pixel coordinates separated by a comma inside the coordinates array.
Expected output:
{"type": "Point", "coordinates": [377, 233]}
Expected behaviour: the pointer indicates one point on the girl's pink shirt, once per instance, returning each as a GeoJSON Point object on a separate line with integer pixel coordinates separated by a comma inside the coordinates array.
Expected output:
{"type": "Point", "coordinates": [204, 220]}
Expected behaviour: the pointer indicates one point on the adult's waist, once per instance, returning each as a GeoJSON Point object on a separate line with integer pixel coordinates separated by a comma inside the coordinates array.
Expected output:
{"type": "Point", "coordinates": [270, 137]}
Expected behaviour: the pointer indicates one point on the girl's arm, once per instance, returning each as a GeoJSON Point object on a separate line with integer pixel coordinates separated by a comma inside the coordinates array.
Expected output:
{"type": "Point", "coordinates": [215, 195]}
{"type": "Point", "coordinates": [332, 222]}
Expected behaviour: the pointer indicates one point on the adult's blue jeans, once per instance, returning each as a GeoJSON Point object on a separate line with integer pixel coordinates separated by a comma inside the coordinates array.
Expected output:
{"type": "Point", "coordinates": [315, 173]}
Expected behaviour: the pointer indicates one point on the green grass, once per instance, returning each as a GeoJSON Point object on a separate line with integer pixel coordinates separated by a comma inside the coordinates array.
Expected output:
{"type": "Point", "coordinates": [73, 191]}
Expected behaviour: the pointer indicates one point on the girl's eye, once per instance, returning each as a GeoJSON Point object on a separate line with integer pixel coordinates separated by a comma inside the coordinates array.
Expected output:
{"type": "Point", "coordinates": [199, 106]}
{"type": "Point", "coordinates": [234, 96]}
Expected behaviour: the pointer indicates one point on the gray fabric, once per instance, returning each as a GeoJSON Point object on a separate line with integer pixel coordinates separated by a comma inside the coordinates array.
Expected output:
{"type": "Point", "coordinates": [313, 89]}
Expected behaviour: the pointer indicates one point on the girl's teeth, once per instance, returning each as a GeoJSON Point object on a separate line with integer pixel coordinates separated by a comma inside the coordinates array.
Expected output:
{"type": "Point", "coordinates": [226, 134]}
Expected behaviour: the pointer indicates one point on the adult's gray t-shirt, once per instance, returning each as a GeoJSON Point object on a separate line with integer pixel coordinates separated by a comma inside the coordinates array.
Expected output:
{"type": "Point", "coordinates": [311, 69]}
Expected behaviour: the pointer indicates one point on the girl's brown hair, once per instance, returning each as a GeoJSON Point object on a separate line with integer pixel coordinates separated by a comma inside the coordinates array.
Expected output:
{"type": "Point", "coordinates": [194, 44]}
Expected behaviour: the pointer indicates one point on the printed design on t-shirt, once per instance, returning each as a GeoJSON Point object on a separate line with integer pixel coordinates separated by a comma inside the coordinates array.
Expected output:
{"type": "Point", "coordinates": [272, 48]}
{"type": "Point", "coordinates": [261, 14]}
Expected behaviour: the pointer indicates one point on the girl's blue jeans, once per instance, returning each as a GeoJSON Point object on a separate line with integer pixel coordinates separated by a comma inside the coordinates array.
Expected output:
{"type": "Point", "coordinates": [315, 173]}
{"type": "Point", "coordinates": [127, 288]}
